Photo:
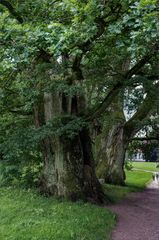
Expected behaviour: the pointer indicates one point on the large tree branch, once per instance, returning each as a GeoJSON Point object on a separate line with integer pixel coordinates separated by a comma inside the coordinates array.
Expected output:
{"type": "Point", "coordinates": [101, 25]}
{"type": "Point", "coordinates": [106, 102]}
{"type": "Point", "coordinates": [145, 138]}
{"type": "Point", "coordinates": [118, 86]}
{"type": "Point", "coordinates": [135, 69]}
{"type": "Point", "coordinates": [134, 124]}
{"type": "Point", "coordinates": [12, 10]}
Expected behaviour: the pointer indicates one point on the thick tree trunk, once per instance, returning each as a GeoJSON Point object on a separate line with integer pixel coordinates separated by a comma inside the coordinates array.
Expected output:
{"type": "Point", "coordinates": [112, 155]}
{"type": "Point", "coordinates": [69, 169]}
{"type": "Point", "coordinates": [112, 146]}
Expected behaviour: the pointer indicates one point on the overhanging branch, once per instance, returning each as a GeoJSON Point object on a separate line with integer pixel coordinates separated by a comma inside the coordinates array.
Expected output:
{"type": "Point", "coordinates": [101, 25]}
{"type": "Point", "coordinates": [106, 102]}
{"type": "Point", "coordinates": [145, 138]}
{"type": "Point", "coordinates": [143, 112]}
{"type": "Point", "coordinates": [118, 86]}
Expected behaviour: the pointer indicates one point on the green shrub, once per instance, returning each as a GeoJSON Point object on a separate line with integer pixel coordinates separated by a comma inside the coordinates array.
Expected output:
{"type": "Point", "coordinates": [29, 175]}
{"type": "Point", "coordinates": [128, 165]}
{"type": "Point", "coordinates": [19, 175]}
{"type": "Point", "coordinates": [9, 174]}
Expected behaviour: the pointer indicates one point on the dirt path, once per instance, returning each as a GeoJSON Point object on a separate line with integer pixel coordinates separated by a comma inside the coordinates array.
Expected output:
{"type": "Point", "coordinates": [138, 215]}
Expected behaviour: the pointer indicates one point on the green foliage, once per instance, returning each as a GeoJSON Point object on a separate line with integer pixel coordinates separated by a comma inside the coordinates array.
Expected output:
{"type": "Point", "coordinates": [26, 176]}
{"type": "Point", "coordinates": [20, 155]}
{"type": "Point", "coordinates": [73, 49]}
{"type": "Point", "coordinates": [147, 148]}
{"type": "Point", "coordinates": [64, 126]}
{"type": "Point", "coordinates": [128, 165]}
{"type": "Point", "coordinates": [9, 174]}
{"type": "Point", "coordinates": [29, 175]}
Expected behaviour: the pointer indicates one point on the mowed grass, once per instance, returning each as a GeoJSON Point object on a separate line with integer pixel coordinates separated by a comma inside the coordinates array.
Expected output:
{"type": "Point", "coordinates": [150, 166]}
{"type": "Point", "coordinates": [26, 216]}
{"type": "Point", "coordinates": [135, 181]}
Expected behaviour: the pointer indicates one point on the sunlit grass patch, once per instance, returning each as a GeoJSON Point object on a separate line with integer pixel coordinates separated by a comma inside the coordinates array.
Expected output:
{"type": "Point", "coordinates": [135, 181]}
{"type": "Point", "coordinates": [27, 216]}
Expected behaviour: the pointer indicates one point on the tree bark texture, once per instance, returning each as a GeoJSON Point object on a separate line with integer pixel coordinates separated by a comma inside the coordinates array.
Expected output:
{"type": "Point", "coordinates": [112, 146]}
{"type": "Point", "coordinates": [69, 169]}
{"type": "Point", "coordinates": [112, 155]}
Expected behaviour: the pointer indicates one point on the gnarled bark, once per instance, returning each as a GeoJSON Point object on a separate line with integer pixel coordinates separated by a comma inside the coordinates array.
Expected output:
{"type": "Point", "coordinates": [69, 169]}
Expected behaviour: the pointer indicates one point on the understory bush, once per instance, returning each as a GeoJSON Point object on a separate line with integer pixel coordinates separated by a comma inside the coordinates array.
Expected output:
{"type": "Point", "coordinates": [20, 175]}
{"type": "Point", "coordinates": [128, 165]}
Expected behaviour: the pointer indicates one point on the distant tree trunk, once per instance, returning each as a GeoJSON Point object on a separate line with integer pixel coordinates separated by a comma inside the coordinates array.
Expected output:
{"type": "Point", "coordinates": [112, 154]}
{"type": "Point", "coordinates": [115, 141]}
{"type": "Point", "coordinates": [69, 169]}
{"type": "Point", "coordinates": [112, 146]}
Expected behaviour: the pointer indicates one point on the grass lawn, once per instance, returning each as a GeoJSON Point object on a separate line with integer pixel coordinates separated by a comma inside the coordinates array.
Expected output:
{"type": "Point", "coordinates": [135, 181]}
{"type": "Point", "coordinates": [138, 179]}
{"type": "Point", "coordinates": [25, 215]}
{"type": "Point", "coordinates": [151, 166]}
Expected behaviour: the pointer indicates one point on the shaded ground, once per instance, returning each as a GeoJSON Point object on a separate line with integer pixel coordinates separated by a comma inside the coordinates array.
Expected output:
{"type": "Point", "coordinates": [138, 215]}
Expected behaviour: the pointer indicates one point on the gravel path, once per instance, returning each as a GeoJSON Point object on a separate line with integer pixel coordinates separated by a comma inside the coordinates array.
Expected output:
{"type": "Point", "coordinates": [138, 215]}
